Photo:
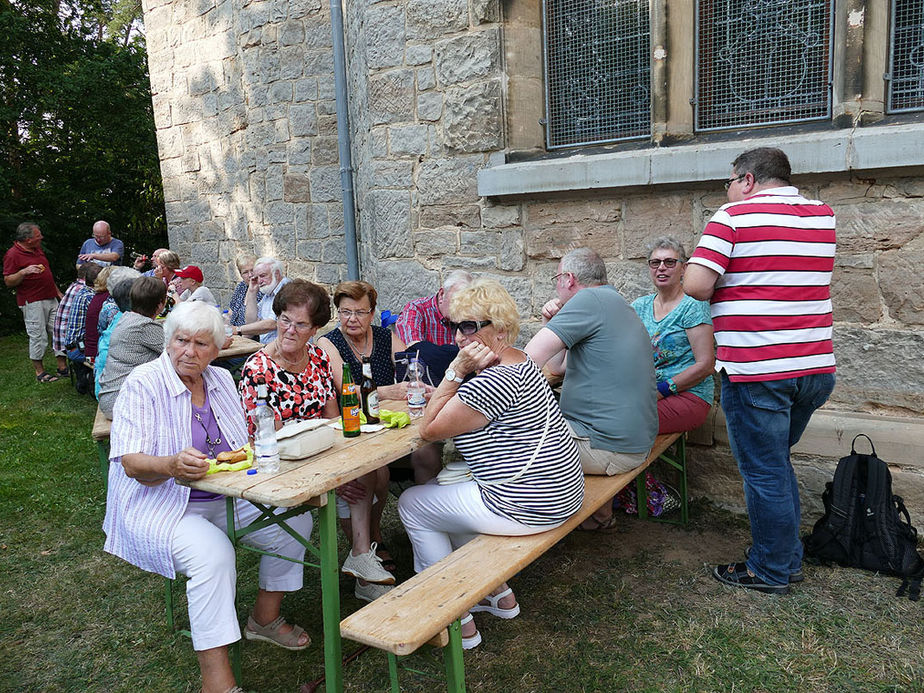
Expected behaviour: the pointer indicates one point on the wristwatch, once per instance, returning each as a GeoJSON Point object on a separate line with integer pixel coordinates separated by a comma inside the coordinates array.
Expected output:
{"type": "Point", "coordinates": [451, 375]}
{"type": "Point", "coordinates": [672, 385]}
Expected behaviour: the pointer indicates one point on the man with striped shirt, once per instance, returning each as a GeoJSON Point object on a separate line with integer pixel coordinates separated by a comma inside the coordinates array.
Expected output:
{"type": "Point", "coordinates": [765, 261]}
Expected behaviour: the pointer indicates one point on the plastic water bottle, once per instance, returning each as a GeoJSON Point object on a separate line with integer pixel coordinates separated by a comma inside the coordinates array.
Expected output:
{"type": "Point", "coordinates": [266, 447]}
{"type": "Point", "coordinates": [226, 318]}
{"type": "Point", "coordinates": [416, 399]}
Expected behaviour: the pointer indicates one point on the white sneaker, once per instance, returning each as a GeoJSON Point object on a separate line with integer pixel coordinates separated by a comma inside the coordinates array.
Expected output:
{"type": "Point", "coordinates": [371, 591]}
{"type": "Point", "coordinates": [368, 567]}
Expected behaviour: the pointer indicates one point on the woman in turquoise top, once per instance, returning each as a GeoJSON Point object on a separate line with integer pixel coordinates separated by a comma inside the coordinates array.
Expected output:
{"type": "Point", "coordinates": [681, 340]}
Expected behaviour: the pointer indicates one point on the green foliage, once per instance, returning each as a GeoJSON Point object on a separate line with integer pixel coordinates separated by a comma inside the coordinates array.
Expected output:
{"type": "Point", "coordinates": [77, 138]}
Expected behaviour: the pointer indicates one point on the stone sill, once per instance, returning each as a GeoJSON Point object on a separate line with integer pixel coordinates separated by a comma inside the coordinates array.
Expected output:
{"type": "Point", "coordinates": [872, 148]}
{"type": "Point", "coordinates": [899, 440]}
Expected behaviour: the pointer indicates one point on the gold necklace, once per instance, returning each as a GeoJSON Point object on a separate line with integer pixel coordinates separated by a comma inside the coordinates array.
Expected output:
{"type": "Point", "coordinates": [295, 366]}
{"type": "Point", "coordinates": [356, 350]}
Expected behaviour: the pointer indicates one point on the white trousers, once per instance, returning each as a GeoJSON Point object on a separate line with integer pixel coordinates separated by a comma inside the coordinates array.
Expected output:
{"type": "Point", "coordinates": [440, 519]}
{"type": "Point", "coordinates": [203, 552]}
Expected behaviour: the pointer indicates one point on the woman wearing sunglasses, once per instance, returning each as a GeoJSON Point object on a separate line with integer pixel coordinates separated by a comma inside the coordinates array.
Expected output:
{"type": "Point", "coordinates": [681, 339]}
{"type": "Point", "coordinates": [525, 470]}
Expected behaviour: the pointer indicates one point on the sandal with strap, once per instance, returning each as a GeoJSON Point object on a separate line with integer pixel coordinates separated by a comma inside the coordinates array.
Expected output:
{"type": "Point", "coordinates": [271, 633]}
{"type": "Point", "coordinates": [45, 377]}
{"type": "Point", "coordinates": [492, 606]}
{"type": "Point", "coordinates": [599, 525]}
{"type": "Point", "coordinates": [62, 372]}
{"type": "Point", "coordinates": [472, 641]}
{"type": "Point", "coordinates": [388, 563]}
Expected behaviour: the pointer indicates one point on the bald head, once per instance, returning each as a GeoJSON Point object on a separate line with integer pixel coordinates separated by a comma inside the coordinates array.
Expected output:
{"type": "Point", "coordinates": [102, 234]}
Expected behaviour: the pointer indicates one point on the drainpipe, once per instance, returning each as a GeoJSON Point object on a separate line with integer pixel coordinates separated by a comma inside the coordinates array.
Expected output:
{"type": "Point", "coordinates": [343, 141]}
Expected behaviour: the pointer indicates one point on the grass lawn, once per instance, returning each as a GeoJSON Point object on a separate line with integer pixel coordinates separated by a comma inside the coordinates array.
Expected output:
{"type": "Point", "coordinates": [633, 609]}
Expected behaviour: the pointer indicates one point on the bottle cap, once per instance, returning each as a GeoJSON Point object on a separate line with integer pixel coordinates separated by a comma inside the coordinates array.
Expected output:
{"type": "Point", "coordinates": [251, 471]}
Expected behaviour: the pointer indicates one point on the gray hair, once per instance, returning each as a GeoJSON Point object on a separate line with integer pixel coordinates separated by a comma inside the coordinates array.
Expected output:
{"type": "Point", "coordinates": [586, 266]}
{"type": "Point", "coordinates": [195, 317]}
{"type": "Point", "coordinates": [25, 230]}
{"type": "Point", "coordinates": [669, 243]}
{"type": "Point", "coordinates": [120, 285]}
{"type": "Point", "coordinates": [274, 264]}
{"type": "Point", "coordinates": [457, 279]}
{"type": "Point", "coordinates": [244, 259]}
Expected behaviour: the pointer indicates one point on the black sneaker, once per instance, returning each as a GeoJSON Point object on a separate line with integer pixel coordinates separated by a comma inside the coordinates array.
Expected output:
{"type": "Point", "coordinates": [737, 575]}
{"type": "Point", "coordinates": [793, 577]}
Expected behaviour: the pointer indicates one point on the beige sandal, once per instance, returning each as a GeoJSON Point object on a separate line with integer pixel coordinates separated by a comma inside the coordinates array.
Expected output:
{"type": "Point", "coordinates": [270, 633]}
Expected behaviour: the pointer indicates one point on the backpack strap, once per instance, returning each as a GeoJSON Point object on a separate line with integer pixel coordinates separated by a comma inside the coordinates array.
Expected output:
{"type": "Point", "coordinates": [843, 493]}
{"type": "Point", "coordinates": [878, 496]}
{"type": "Point", "coordinates": [853, 444]}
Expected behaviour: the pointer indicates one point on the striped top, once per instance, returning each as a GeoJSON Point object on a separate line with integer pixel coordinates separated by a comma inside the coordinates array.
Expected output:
{"type": "Point", "coordinates": [516, 400]}
{"type": "Point", "coordinates": [152, 415]}
{"type": "Point", "coordinates": [771, 309]}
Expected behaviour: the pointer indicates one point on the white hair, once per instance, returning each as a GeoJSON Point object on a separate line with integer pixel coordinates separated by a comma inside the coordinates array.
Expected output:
{"type": "Point", "coordinates": [195, 317]}
{"type": "Point", "coordinates": [274, 264]}
{"type": "Point", "coordinates": [457, 279]}
{"type": "Point", "coordinates": [119, 285]}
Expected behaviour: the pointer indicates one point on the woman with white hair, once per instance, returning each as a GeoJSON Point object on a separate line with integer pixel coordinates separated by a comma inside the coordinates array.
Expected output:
{"type": "Point", "coordinates": [171, 416]}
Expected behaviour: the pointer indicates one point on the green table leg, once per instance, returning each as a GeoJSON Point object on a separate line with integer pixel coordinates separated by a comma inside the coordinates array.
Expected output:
{"type": "Point", "coordinates": [330, 593]}
{"type": "Point", "coordinates": [454, 661]}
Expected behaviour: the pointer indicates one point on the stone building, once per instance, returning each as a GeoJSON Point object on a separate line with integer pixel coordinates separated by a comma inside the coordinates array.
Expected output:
{"type": "Point", "coordinates": [456, 162]}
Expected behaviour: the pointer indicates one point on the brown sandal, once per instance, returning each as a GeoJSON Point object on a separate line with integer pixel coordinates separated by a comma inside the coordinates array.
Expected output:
{"type": "Point", "coordinates": [599, 525]}
{"type": "Point", "coordinates": [270, 633]}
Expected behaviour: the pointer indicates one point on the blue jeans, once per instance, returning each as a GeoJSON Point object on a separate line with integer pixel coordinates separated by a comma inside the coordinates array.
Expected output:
{"type": "Point", "coordinates": [764, 420]}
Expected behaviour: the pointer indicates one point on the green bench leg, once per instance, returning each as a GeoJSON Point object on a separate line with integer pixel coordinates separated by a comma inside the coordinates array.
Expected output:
{"type": "Point", "coordinates": [102, 449]}
{"type": "Point", "coordinates": [454, 661]}
{"type": "Point", "coordinates": [393, 672]}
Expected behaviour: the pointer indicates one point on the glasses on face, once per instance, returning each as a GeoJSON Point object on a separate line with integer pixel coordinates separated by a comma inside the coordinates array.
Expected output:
{"type": "Point", "coordinates": [729, 182]}
{"type": "Point", "coordinates": [560, 274]}
{"type": "Point", "coordinates": [668, 262]}
{"type": "Point", "coordinates": [468, 327]}
{"type": "Point", "coordinates": [285, 324]}
{"type": "Point", "coordinates": [344, 313]}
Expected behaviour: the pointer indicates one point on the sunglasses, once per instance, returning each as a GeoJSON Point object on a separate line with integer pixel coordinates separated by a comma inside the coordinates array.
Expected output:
{"type": "Point", "coordinates": [669, 262]}
{"type": "Point", "coordinates": [468, 327]}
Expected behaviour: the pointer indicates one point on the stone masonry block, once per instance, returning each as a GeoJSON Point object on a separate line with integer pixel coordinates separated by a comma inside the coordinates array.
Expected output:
{"type": "Point", "coordinates": [291, 62]}
{"type": "Point", "coordinates": [473, 119]}
{"type": "Point", "coordinates": [292, 33]}
{"type": "Point", "coordinates": [427, 19]}
{"type": "Point", "coordinates": [393, 174]}
{"type": "Point", "coordinates": [881, 226]}
{"type": "Point", "coordinates": [429, 106]}
{"type": "Point", "coordinates": [902, 284]}
{"type": "Point", "coordinates": [325, 184]}
{"type": "Point", "coordinates": [500, 216]}
{"type": "Point", "coordinates": [325, 151]}
{"type": "Point", "coordinates": [467, 57]}
{"type": "Point", "coordinates": [511, 250]}
{"type": "Point", "coordinates": [407, 140]}
{"type": "Point", "coordinates": [388, 215]}
{"type": "Point", "coordinates": [303, 120]}
{"type": "Point", "coordinates": [391, 97]}
{"type": "Point", "coordinates": [434, 216]}
{"type": "Point", "coordinates": [436, 243]}
{"type": "Point", "coordinates": [384, 36]}
{"type": "Point", "coordinates": [296, 188]}
{"type": "Point", "coordinates": [418, 54]}
{"type": "Point", "coordinates": [426, 78]}
{"type": "Point", "coordinates": [484, 11]}
{"type": "Point", "coordinates": [402, 280]}
{"type": "Point", "coordinates": [855, 295]}
{"type": "Point", "coordinates": [448, 181]}
{"type": "Point", "coordinates": [478, 243]}
{"type": "Point", "coordinates": [646, 218]}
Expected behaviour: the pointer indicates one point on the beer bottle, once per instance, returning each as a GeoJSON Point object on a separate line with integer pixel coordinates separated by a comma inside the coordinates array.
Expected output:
{"type": "Point", "coordinates": [349, 404]}
{"type": "Point", "coordinates": [369, 393]}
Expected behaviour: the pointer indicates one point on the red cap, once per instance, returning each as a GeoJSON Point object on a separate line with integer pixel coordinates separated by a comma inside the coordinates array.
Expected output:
{"type": "Point", "coordinates": [190, 272]}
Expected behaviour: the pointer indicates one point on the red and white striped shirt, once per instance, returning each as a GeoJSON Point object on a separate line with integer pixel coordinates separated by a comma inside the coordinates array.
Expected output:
{"type": "Point", "coordinates": [771, 309]}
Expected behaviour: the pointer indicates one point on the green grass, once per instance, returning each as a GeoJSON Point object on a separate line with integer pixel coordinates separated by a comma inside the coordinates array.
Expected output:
{"type": "Point", "coordinates": [630, 610]}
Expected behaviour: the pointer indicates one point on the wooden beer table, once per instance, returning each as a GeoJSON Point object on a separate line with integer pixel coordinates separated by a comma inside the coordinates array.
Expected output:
{"type": "Point", "coordinates": [301, 484]}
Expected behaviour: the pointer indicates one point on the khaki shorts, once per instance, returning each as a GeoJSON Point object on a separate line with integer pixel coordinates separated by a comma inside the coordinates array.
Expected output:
{"type": "Point", "coordinates": [600, 462]}
{"type": "Point", "coordinates": [39, 317]}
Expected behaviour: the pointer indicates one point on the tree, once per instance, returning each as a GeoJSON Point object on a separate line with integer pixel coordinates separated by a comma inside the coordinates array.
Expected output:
{"type": "Point", "coordinates": [77, 137]}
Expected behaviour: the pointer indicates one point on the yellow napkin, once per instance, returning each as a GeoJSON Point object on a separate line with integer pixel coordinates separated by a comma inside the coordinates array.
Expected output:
{"type": "Point", "coordinates": [394, 419]}
{"type": "Point", "coordinates": [215, 466]}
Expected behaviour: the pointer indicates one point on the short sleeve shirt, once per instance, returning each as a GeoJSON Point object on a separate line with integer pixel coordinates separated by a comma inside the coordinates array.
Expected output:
{"type": "Point", "coordinates": [113, 246]}
{"type": "Point", "coordinates": [33, 287]}
{"type": "Point", "coordinates": [383, 367]}
{"type": "Point", "coordinates": [669, 343]}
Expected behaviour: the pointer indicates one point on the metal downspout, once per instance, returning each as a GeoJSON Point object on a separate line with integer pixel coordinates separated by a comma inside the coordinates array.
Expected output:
{"type": "Point", "coordinates": [343, 141]}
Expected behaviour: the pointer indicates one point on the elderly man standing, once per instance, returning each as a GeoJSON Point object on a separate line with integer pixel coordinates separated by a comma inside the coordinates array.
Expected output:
{"type": "Point", "coordinates": [609, 395]}
{"type": "Point", "coordinates": [265, 283]}
{"type": "Point", "coordinates": [26, 269]}
{"type": "Point", "coordinates": [765, 261]}
{"type": "Point", "coordinates": [102, 248]}
{"type": "Point", "coordinates": [427, 319]}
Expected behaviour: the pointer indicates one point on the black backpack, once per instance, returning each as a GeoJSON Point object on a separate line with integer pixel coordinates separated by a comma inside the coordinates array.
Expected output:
{"type": "Point", "coordinates": [865, 525]}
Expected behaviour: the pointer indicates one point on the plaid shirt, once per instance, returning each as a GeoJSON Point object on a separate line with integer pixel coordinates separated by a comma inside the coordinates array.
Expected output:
{"type": "Point", "coordinates": [421, 321]}
{"type": "Point", "coordinates": [77, 316]}
{"type": "Point", "coordinates": [64, 309]}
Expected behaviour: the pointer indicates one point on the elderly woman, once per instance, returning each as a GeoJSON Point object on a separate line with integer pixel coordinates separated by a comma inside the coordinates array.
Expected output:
{"type": "Point", "coordinates": [681, 340]}
{"type": "Point", "coordinates": [165, 266]}
{"type": "Point", "coordinates": [237, 304]}
{"type": "Point", "coordinates": [300, 386]}
{"type": "Point", "coordinates": [136, 339]}
{"type": "Point", "coordinates": [171, 416]}
{"type": "Point", "coordinates": [190, 286]}
{"type": "Point", "coordinates": [525, 468]}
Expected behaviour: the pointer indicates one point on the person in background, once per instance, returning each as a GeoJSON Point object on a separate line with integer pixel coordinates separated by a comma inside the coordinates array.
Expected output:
{"type": "Point", "coordinates": [426, 319]}
{"type": "Point", "coordinates": [75, 335]}
{"type": "Point", "coordinates": [171, 416]}
{"type": "Point", "coordinates": [525, 467]}
{"type": "Point", "coordinates": [120, 286]}
{"type": "Point", "coordinates": [26, 269]}
{"type": "Point", "coordinates": [593, 337]}
{"type": "Point", "coordinates": [101, 248]}
{"type": "Point", "coordinates": [100, 312]}
{"type": "Point", "coordinates": [300, 386]}
{"type": "Point", "coordinates": [681, 340]}
{"type": "Point", "coordinates": [765, 261]}
{"type": "Point", "coordinates": [136, 339]}
{"type": "Point", "coordinates": [66, 306]}
{"type": "Point", "coordinates": [142, 260]}
{"type": "Point", "coordinates": [190, 286]}
{"type": "Point", "coordinates": [237, 304]}
{"type": "Point", "coordinates": [265, 283]}
{"type": "Point", "coordinates": [165, 266]}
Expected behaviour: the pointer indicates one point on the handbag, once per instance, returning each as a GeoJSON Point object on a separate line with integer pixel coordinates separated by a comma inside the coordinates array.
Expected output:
{"type": "Point", "coordinates": [457, 471]}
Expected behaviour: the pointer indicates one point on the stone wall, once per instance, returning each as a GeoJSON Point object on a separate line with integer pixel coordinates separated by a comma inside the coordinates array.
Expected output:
{"type": "Point", "coordinates": [244, 104]}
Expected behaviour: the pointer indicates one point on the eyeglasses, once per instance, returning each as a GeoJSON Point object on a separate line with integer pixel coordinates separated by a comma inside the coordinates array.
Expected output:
{"type": "Point", "coordinates": [284, 324]}
{"type": "Point", "coordinates": [344, 313]}
{"type": "Point", "coordinates": [729, 182]}
{"type": "Point", "coordinates": [560, 274]}
{"type": "Point", "coordinates": [669, 262]}
{"type": "Point", "coordinates": [468, 327]}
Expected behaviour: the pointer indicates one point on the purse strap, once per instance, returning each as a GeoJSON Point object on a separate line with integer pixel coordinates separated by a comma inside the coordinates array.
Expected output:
{"type": "Point", "coordinates": [545, 433]}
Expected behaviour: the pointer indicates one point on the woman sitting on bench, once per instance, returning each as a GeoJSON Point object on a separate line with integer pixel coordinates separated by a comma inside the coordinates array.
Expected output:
{"type": "Point", "coordinates": [524, 472]}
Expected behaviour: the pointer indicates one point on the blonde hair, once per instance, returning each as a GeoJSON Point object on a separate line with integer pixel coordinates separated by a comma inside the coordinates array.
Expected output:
{"type": "Point", "coordinates": [102, 279]}
{"type": "Point", "coordinates": [486, 299]}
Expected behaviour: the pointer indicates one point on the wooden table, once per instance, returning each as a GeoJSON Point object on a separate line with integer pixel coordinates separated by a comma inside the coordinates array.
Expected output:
{"type": "Point", "coordinates": [312, 481]}
{"type": "Point", "coordinates": [240, 346]}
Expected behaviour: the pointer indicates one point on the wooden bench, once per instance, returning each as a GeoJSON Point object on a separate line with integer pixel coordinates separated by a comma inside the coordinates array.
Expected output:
{"type": "Point", "coordinates": [418, 611]}
{"type": "Point", "coordinates": [100, 433]}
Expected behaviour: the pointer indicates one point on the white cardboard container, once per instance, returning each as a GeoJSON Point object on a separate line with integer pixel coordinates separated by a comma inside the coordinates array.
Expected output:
{"type": "Point", "coordinates": [304, 439]}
